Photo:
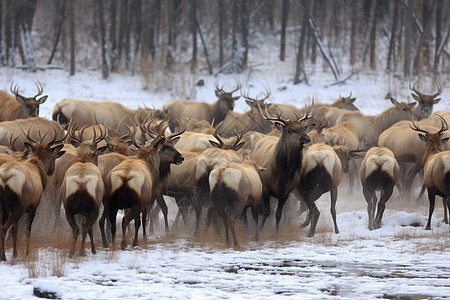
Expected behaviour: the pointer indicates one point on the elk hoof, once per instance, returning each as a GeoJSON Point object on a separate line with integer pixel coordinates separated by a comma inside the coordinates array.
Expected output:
{"type": "Point", "coordinates": [71, 254]}
{"type": "Point", "coordinates": [3, 257]}
{"type": "Point", "coordinates": [93, 251]}
{"type": "Point", "coordinates": [311, 234]}
{"type": "Point", "coordinates": [123, 245]}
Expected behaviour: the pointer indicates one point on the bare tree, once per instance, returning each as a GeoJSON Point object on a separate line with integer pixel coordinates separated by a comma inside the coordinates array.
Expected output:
{"type": "Point", "coordinates": [390, 56]}
{"type": "Point", "coordinates": [113, 36]}
{"type": "Point", "coordinates": [299, 70]}
{"type": "Point", "coordinates": [353, 32]}
{"type": "Point", "coordinates": [438, 30]}
{"type": "Point", "coordinates": [62, 14]}
{"type": "Point", "coordinates": [72, 37]}
{"type": "Point", "coordinates": [105, 54]}
{"type": "Point", "coordinates": [408, 38]}
{"type": "Point", "coordinates": [284, 20]}
{"type": "Point", "coordinates": [194, 34]}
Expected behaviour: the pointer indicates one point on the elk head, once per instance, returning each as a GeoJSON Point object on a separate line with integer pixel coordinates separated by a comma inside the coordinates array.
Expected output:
{"type": "Point", "coordinates": [30, 104]}
{"type": "Point", "coordinates": [293, 132]}
{"type": "Point", "coordinates": [347, 103]}
{"type": "Point", "coordinates": [88, 150]}
{"type": "Point", "coordinates": [432, 138]}
{"type": "Point", "coordinates": [405, 110]}
{"type": "Point", "coordinates": [47, 153]}
{"type": "Point", "coordinates": [226, 99]}
{"type": "Point", "coordinates": [255, 102]}
{"type": "Point", "coordinates": [426, 102]}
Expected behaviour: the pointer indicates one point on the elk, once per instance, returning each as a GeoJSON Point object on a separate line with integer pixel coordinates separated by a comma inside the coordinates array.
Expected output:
{"type": "Point", "coordinates": [36, 125]}
{"type": "Point", "coordinates": [436, 162]}
{"type": "Point", "coordinates": [201, 110]}
{"type": "Point", "coordinates": [425, 102]}
{"type": "Point", "coordinates": [21, 187]}
{"type": "Point", "coordinates": [132, 184]}
{"type": "Point", "coordinates": [369, 128]}
{"type": "Point", "coordinates": [321, 172]}
{"type": "Point", "coordinates": [290, 112]}
{"type": "Point", "coordinates": [408, 150]}
{"type": "Point", "coordinates": [379, 172]}
{"type": "Point", "coordinates": [251, 120]}
{"type": "Point", "coordinates": [20, 107]}
{"type": "Point", "coordinates": [233, 187]}
{"type": "Point", "coordinates": [282, 158]}
{"type": "Point", "coordinates": [87, 112]}
{"type": "Point", "coordinates": [82, 188]}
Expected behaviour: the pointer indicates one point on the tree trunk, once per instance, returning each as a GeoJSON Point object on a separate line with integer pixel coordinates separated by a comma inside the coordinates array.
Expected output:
{"type": "Point", "coordinates": [408, 38]}
{"type": "Point", "coordinates": [422, 54]}
{"type": "Point", "coordinates": [171, 33]}
{"type": "Point", "coordinates": [373, 35]}
{"type": "Point", "coordinates": [284, 20]}
{"type": "Point", "coordinates": [194, 34]}
{"type": "Point", "coordinates": [2, 44]}
{"type": "Point", "coordinates": [241, 20]}
{"type": "Point", "coordinates": [10, 33]}
{"type": "Point", "coordinates": [438, 34]}
{"type": "Point", "coordinates": [122, 27]}
{"type": "Point", "coordinates": [353, 33]}
{"type": "Point", "coordinates": [390, 56]}
{"type": "Point", "coordinates": [221, 18]}
{"type": "Point", "coordinates": [105, 54]}
{"type": "Point", "coordinates": [299, 70]}
{"type": "Point", "coordinates": [72, 37]}
{"type": "Point", "coordinates": [137, 32]}
{"type": "Point", "coordinates": [63, 14]}
{"type": "Point", "coordinates": [113, 36]}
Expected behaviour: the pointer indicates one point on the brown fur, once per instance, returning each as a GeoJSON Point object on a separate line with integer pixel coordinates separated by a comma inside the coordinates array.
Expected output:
{"type": "Point", "coordinates": [321, 172]}
{"type": "Point", "coordinates": [379, 172]}
{"type": "Point", "coordinates": [19, 107]}
{"type": "Point", "coordinates": [21, 187]}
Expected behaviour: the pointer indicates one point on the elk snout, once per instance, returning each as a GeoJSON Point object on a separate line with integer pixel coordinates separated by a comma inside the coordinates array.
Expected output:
{"type": "Point", "coordinates": [306, 140]}
{"type": "Point", "coordinates": [178, 159]}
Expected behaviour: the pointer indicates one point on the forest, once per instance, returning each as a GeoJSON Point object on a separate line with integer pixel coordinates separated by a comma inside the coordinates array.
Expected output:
{"type": "Point", "coordinates": [402, 37]}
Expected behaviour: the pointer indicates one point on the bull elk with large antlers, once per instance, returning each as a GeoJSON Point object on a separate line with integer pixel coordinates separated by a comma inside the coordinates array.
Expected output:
{"type": "Point", "coordinates": [21, 187]}
{"type": "Point", "coordinates": [82, 188]}
{"type": "Point", "coordinates": [436, 175]}
{"type": "Point", "coordinates": [217, 111]}
{"type": "Point", "coordinates": [20, 107]}
{"type": "Point", "coordinates": [425, 102]}
{"type": "Point", "coordinates": [282, 158]}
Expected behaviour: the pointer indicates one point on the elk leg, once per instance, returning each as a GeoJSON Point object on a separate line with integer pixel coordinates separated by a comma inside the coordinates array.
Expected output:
{"type": "Point", "coordinates": [233, 232]}
{"type": "Point", "coordinates": [112, 212]}
{"type": "Point", "coordinates": [31, 215]}
{"type": "Point", "coordinates": [14, 237]}
{"type": "Point", "coordinates": [13, 217]}
{"type": "Point", "coordinates": [75, 231]}
{"type": "Point", "coordinates": [101, 224]}
{"type": "Point", "coordinates": [137, 224]}
{"type": "Point", "coordinates": [333, 196]}
{"type": "Point", "coordinates": [432, 199]}
{"type": "Point", "coordinates": [444, 203]}
{"type": "Point", "coordinates": [162, 204]}
{"type": "Point", "coordinates": [255, 219]}
{"type": "Point", "coordinates": [448, 207]}
{"type": "Point", "coordinates": [265, 207]}
{"type": "Point", "coordinates": [130, 215]}
{"type": "Point", "coordinates": [227, 237]}
{"type": "Point", "coordinates": [385, 195]}
{"type": "Point", "coordinates": [314, 213]}
{"type": "Point", "coordinates": [87, 227]}
{"type": "Point", "coordinates": [280, 206]}
{"type": "Point", "coordinates": [91, 237]}
{"type": "Point", "coordinates": [369, 195]}
{"type": "Point", "coordinates": [144, 220]}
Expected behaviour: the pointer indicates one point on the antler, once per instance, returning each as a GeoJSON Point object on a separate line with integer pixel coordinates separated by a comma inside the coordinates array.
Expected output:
{"type": "Point", "coordinates": [40, 89]}
{"type": "Point", "coordinates": [439, 86]}
{"type": "Point", "coordinates": [238, 87]}
{"type": "Point", "coordinates": [221, 91]}
{"type": "Point", "coordinates": [182, 130]}
{"type": "Point", "coordinates": [413, 88]}
{"type": "Point", "coordinates": [247, 96]}
{"type": "Point", "coordinates": [215, 133]}
{"type": "Point", "coordinates": [268, 118]}
{"type": "Point", "coordinates": [15, 91]}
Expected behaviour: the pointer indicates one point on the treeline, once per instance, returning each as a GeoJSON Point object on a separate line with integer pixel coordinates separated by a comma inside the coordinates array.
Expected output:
{"type": "Point", "coordinates": [408, 37]}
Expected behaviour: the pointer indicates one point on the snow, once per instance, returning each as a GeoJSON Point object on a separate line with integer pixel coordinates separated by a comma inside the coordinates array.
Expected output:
{"type": "Point", "coordinates": [399, 259]}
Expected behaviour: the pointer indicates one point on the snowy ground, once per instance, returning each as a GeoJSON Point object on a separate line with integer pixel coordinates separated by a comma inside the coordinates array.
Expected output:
{"type": "Point", "coordinates": [400, 259]}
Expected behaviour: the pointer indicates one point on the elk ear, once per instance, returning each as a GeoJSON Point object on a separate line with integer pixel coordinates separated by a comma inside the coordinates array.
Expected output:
{"type": "Point", "coordinates": [249, 103]}
{"type": "Point", "coordinates": [236, 98]}
{"type": "Point", "coordinates": [411, 105]}
{"type": "Point", "coordinates": [309, 127]}
{"type": "Point", "coordinates": [393, 101]}
{"type": "Point", "coordinates": [238, 146]}
{"type": "Point", "coordinates": [352, 100]}
{"type": "Point", "coordinates": [260, 169]}
{"type": "Point", "coordinates": [29, 147]}
{"type": "Point", "coordinates": [42, 99]}
{"type": "Point", "coordinates": [57, 150]}
{"type": "Point", "coordinates": [76, 144]}
{"type": "Point", "coordinates": [217, 94]}
{"type": "Point", "coordinates": [279, 126]}
{"type": "Point", "coordinates": [444, 140]}
{"type": "Point", "coordinates": [20, 99]}
{"type": "Point", "coordinates": [175, 140]}
{"type": "Point", "coordinates": [101, 150]}
{"type": "Point", "coordinates": [416, 97]}
{"type": "Point", "coordinates": [214, 144]}
{"type": "Point", "coordinates": [436, 101]}
{"type": "Point", "coordinates": [422, 137]}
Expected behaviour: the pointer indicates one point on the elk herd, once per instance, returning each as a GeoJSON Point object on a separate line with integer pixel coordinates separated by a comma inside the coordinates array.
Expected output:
{"type": "Point", "coordinates": [96, 158]}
